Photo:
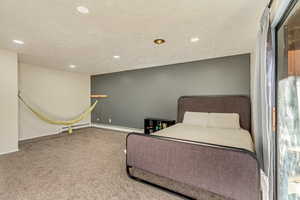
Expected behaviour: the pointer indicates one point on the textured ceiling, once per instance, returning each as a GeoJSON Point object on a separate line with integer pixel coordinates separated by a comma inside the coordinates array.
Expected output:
{"type": "Point", "coordinates": [56, 35]}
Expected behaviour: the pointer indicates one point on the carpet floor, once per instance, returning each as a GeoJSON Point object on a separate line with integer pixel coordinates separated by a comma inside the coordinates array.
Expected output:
{"type": "Point", "coordinates": [88, 165]}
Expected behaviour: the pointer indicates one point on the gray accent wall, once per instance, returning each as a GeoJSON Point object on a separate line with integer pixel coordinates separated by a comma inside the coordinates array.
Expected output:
{"type": "Point", "coordinates": [153, 92]}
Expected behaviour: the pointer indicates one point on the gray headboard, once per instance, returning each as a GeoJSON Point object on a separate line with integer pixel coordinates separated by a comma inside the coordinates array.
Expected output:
{"type": "Point", "coordinates": [218, 104]}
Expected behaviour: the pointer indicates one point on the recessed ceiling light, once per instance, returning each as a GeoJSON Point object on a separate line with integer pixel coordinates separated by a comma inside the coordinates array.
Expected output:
{"type": "Point", "coordinates": [18, 41]}
{"type": "Point", "coordinates": [83, 10]}
{"type": "Point", "coordinates": [116, 57]}
{"type": "Point", "coordinates": [194, 39]}
{"type": "Point", "coordinates": [159, 41]}
{"type": "Point", "coordinates": [72, 66]}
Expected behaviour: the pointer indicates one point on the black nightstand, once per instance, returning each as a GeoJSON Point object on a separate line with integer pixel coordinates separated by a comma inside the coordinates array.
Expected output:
{"type": "Point", "coordinates": [152, 125]}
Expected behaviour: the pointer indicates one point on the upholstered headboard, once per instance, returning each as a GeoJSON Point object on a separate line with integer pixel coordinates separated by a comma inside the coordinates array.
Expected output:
{"type": "Point", "coordinates": [217, 104]}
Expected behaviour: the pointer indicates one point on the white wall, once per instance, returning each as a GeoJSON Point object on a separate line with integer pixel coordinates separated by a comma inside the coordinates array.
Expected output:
{"type": "Point", "coordinates": [59, 94]}
{"type": "Point", "coordinates": [8, 102]}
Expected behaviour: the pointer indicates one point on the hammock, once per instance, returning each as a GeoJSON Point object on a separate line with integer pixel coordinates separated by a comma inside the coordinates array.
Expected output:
{"type": "Point", "coordinates": [57, 122]}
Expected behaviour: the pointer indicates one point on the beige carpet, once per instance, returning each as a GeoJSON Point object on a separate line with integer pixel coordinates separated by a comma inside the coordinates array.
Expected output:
{"type": "Point", "coordinates": [88, 165]}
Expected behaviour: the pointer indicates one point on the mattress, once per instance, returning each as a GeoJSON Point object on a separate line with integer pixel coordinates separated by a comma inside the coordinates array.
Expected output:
{"type": "Point", "coordinates": [238, 138]}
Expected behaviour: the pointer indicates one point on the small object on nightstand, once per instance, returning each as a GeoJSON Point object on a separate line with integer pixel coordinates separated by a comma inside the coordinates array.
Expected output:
{"type": "Point", "coordinates": [164, 125]}
{"type": "Point", "coordinates": [152, 125]}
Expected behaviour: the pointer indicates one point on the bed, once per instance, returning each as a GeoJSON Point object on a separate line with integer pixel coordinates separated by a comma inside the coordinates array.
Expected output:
{"type": "Point", "coordinates": [221, 161]}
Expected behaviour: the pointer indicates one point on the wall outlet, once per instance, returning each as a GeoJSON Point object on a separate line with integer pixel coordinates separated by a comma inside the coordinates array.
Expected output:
{"type": "Point", "coordinates": [109, 120]}
{"type": "Point", "coordinates": [98, 119]}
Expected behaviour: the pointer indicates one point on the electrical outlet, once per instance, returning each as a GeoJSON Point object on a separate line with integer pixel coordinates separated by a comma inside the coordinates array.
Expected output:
{"type": "Point", "coordinates": [109, 120]}
{"type": "Point", "coordinates": [98, 119]}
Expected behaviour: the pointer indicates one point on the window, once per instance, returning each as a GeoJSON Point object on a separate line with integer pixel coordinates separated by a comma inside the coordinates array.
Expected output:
{"type": "Point", "coordinates": [288, 105]}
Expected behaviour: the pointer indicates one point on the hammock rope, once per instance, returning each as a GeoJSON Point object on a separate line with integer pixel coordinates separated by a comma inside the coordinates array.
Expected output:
{"type": "Point", "coordinates": [69, 123]}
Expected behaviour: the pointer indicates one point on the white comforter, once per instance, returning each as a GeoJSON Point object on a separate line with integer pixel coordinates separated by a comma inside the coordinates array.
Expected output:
{"type": "Point", "coordinates": [239, 138]}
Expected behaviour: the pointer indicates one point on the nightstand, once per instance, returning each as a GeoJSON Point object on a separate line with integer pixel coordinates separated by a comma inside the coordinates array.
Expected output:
{"type": "Point", "coordinates": [152, 125]}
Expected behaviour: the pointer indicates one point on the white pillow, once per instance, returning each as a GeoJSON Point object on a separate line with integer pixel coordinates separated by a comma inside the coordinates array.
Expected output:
{"type": "Point", "coordinates": [196, 118]}
{"type": "Point", "coordinates": [223, 120]}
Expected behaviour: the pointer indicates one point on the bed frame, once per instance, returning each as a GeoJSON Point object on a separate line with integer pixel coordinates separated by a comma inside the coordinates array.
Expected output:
{"type": "Point", "coordinates": [227, 171]}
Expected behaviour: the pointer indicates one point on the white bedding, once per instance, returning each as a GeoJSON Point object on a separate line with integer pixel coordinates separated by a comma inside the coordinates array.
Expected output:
{"type": "Point", "coordinates": [239, 138]}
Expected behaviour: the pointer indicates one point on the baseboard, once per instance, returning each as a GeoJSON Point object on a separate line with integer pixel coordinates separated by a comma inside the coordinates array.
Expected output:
{"type": "Point", "coordinates": [117, 128]}
{"type": "Point", "coordinates": [62, 129]}
{"type": "Point", "coordinates": [56, 132]}
{"type": "Point", "coordinates": [76, 126]}
{"type": "Point", "coordinates": [8, 152]}
{"type": "Point", "coordinates": [86, 125]}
